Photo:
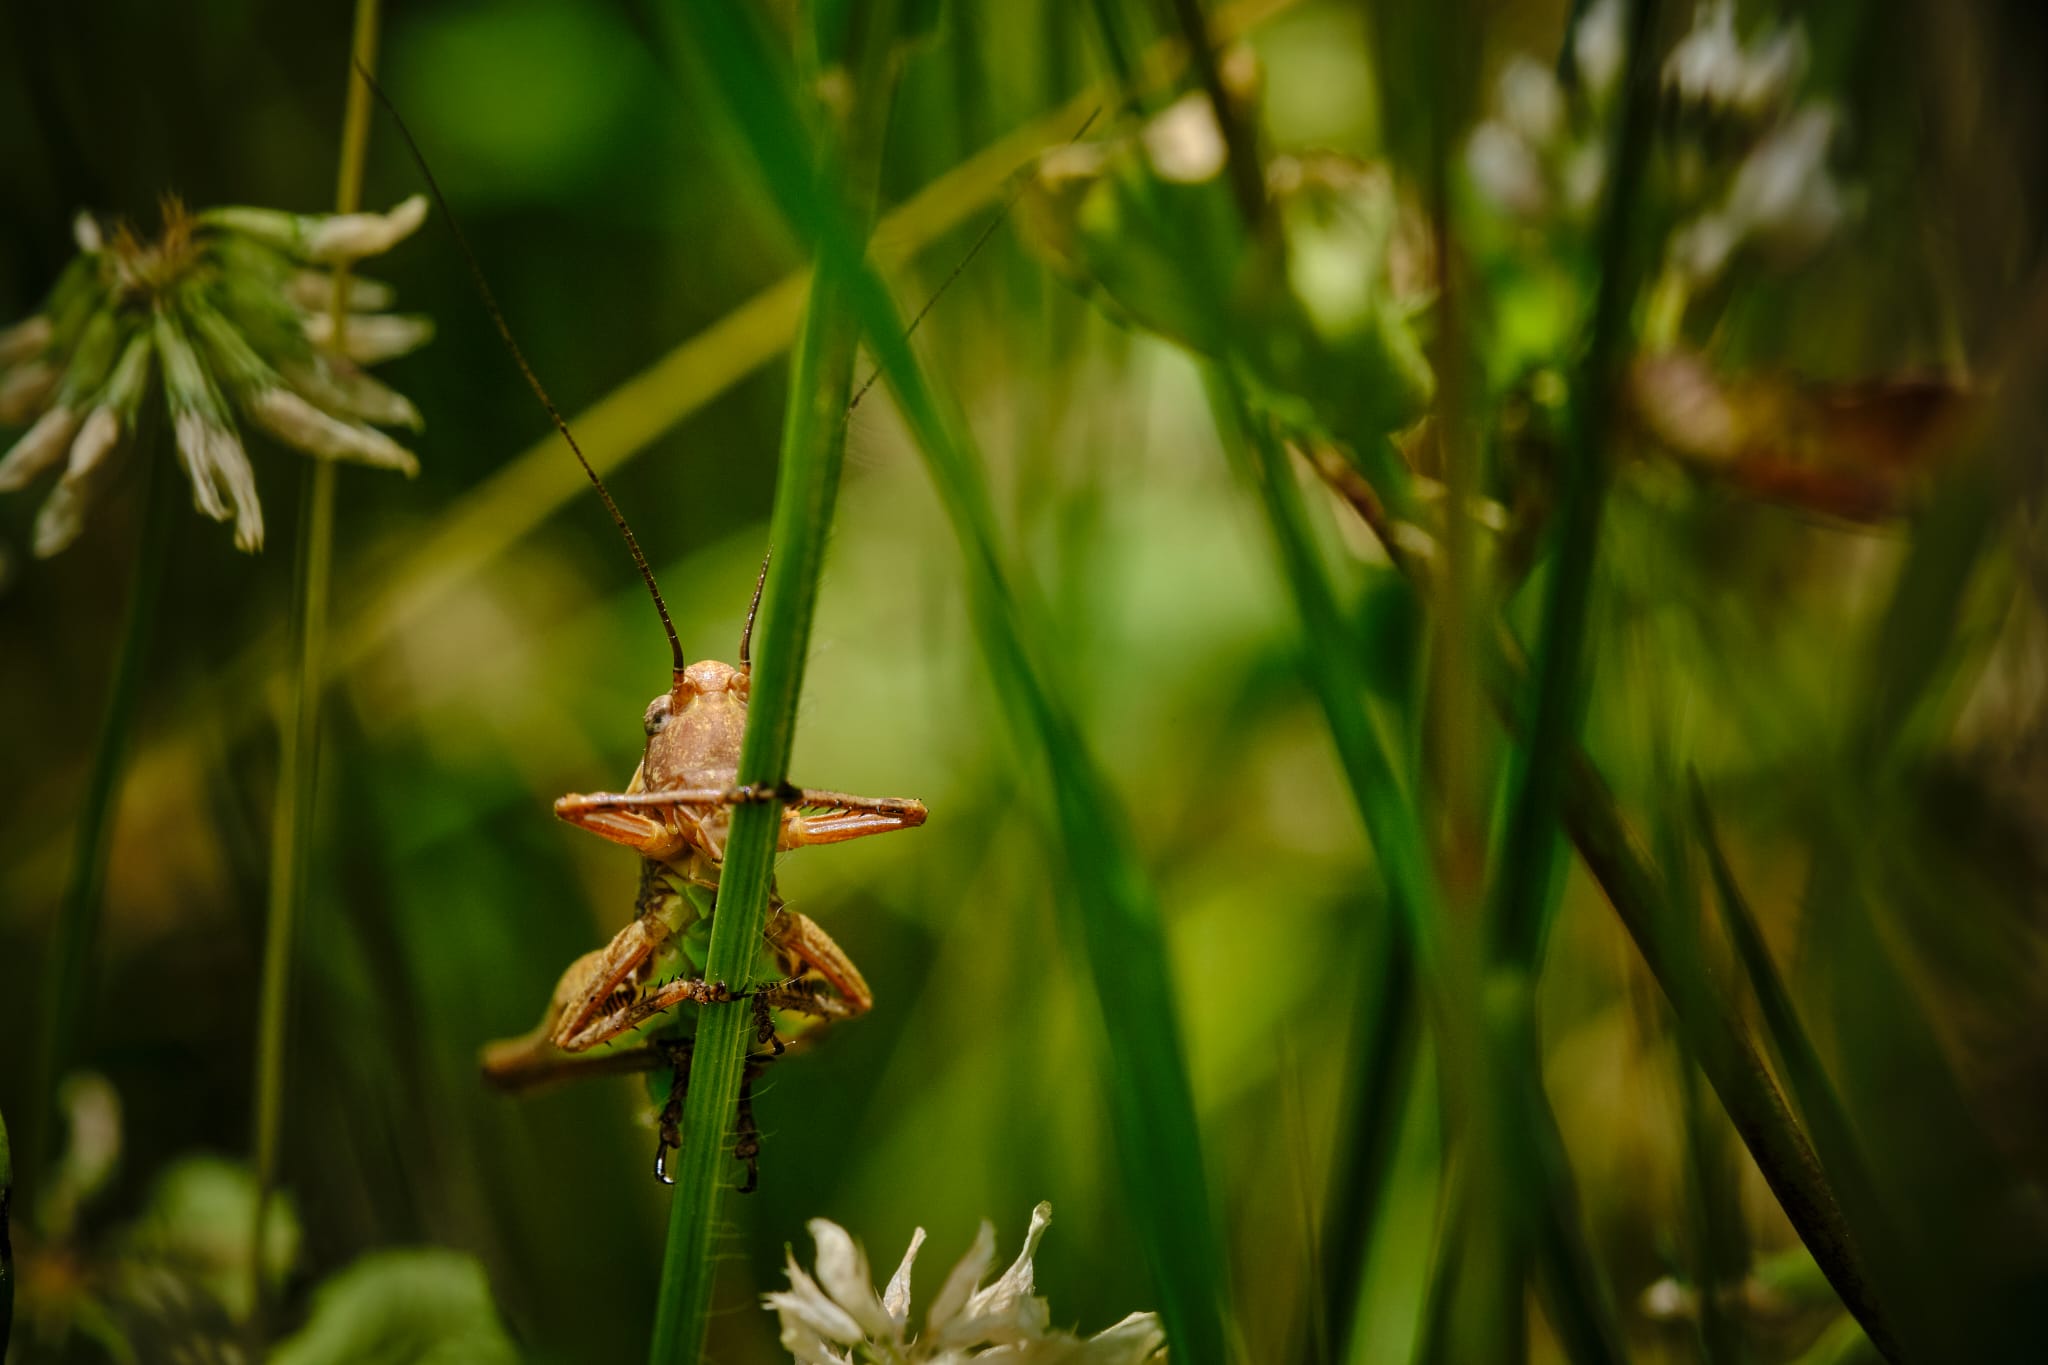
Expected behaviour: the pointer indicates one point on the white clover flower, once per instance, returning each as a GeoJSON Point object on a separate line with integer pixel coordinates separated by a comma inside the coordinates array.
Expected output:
{"type": "Point", "coordinates": [1711, 68]}
{"type": "Point", "coordinates": [838, 1319]}
{"type": "Point", "coordinates": [1184, 142]}
{"type": "Point", "coordinates": [1783, 200]}
{"type": "Point", "coordinates": [1530, 101]}
{"type": "Point", "coordinates": [1597, 45]}
{"type": "Point", "coordinates": [1505, 168]}
{"type": "Point", "coordinates": [229, 307]}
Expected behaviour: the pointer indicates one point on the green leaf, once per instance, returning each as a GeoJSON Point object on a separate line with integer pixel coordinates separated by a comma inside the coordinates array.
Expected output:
{"type": "Point", "coordinates": [413, 1307]}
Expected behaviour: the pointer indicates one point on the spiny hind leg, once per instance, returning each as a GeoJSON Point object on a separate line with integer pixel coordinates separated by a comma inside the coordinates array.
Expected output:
{"type": "Point", "coordinates": [797, 938]}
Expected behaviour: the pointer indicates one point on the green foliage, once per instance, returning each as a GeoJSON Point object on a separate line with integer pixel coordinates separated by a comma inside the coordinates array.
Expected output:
{"type": "Point", "coordinates": [1348, 1002]}
{"type": "Point", "coordinates": [416, 1307]}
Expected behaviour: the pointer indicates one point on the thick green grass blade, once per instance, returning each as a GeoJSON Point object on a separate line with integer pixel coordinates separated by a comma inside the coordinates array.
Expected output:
{"type": "Point", "coordinates": [1109, 907]}
{"type": "Point", "coordinates": [813, 446]}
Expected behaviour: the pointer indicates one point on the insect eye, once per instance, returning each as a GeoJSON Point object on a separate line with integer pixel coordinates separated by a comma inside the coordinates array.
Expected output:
{"type": "Point", "coordinates": [656, 718]}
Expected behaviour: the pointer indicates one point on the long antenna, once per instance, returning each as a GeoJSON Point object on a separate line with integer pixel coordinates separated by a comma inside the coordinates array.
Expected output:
{"type": "Point", "coordinates": [483, 288]}
{"type": "Point", "coordinates": [753, 608]}
{"type": "Point", "coordinates": [988, 230]}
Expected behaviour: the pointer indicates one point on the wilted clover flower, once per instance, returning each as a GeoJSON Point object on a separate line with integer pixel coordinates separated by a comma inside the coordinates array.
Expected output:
{"type": "Point", "coordinates": [228, 305]}
{"type": "Point", "coordinates": [838, 1319]}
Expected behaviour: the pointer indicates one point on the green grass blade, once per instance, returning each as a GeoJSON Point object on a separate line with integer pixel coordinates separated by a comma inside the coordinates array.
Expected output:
{"type": "Point", "coordinates": [1708, 1023]}
{"type": "Point", "coordinates": [1110, 909]}
{"type": "Point", "coordinates": [68, 985]}
{"type": "Point", "coordinates": [813, 447]}
{"type": "Point", "coordinates": [1820, 1103]}
{"type": "Point", "coordinates": [1410, 947]}
{"type": "Point", "coordinates": [1525, 882]}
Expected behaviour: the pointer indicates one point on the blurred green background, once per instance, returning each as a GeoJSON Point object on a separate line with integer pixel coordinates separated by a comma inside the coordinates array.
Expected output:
{"type": "Point", "coordinates": [496, 651]}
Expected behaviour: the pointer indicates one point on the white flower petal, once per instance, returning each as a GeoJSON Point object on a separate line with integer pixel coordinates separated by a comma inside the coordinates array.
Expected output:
{"type": "Point", "coordinates": [960, 1283]}
{"type": "Point", "coordinates": [1530, 102]}
{"type": "Point", "coordinates": [1137, 1338]}
{"type": "Point", "coordinates": [1597, 48]}
{"type": "Point", "coordinates": [843, 1270]}
{"type": "Point", "coordinates": [1016, 1281]}
{"type": "Point", "coordinates": [1783, 192]}
{"type": "Point", "coordinates": [62, 515]}
{"type": "Point", "coordinates": [313, 291]}
{"type": "Point", "coordinates": [1184, 143]}
{"type": "Point", "coordinates": [41, 446]}
{"type": "Point", "coordinates": [1504, 168]}
{"type": "Point", "coordinates": [24, 339]}
{"type": "Point", "coordinates": [24, 391]}
{"type": "Point", "coordinates": [193, 453]}
{"type": "Point", "coordinates": [232, 468]}
{"type": "Point", "coordinates": [350, 236]}
{"type": "Point", "coordinates": [346, 391]}
{"type": "Point", "coordinates": [370, 338]}
{"type": "Point", "coordinates": [896, 1298]}
{"type": "Point", "coordinates": [806, 1303]}
{"type": "Point", "coordinates": [293, 420]}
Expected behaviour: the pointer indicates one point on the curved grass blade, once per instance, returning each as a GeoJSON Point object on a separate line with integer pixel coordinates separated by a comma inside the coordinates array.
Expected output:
{"type": "Point", "coordinates": [1110, 912]}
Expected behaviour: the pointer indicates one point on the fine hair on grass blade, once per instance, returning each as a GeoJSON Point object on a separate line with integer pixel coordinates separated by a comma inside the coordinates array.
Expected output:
{"type": "Point", "coordinates": [1109, 910]}
{"type": "Point", "coordinates": [299, 749]}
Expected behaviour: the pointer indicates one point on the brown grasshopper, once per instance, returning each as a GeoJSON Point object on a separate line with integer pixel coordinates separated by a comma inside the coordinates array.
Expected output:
{"type": "Point", "coordinates": [675, 813]}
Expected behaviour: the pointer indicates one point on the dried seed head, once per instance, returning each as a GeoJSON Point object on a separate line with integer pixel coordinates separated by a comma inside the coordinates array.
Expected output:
{"type": "Point", "coordinates": [234, 304]}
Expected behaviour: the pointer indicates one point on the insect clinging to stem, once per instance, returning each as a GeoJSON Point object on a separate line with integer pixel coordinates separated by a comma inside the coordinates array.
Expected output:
{"type": "Point", "coordinates": [675, 814]}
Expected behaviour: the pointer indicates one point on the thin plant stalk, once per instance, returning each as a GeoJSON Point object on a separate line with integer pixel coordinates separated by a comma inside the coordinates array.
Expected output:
{"type": "Point", "coordinates": [1527, 879]}
{"type": "Point", "coordinates": [1108, 907]}
{"type": "Point", "coordinates": [291, 830]}
{"type": "Point", "coordinates": [68, 985]}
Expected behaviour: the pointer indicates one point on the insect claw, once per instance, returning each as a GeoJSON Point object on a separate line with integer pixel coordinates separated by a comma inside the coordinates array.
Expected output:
{"type": "Point", "coordinates": [661, 1151]}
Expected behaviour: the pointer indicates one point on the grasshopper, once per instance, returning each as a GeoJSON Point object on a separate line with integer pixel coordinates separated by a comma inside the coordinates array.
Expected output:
{"type": "Point", "coordinates": [675, 814]}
